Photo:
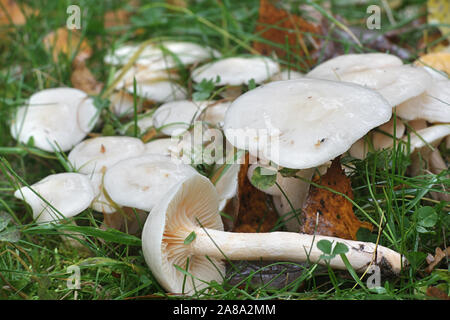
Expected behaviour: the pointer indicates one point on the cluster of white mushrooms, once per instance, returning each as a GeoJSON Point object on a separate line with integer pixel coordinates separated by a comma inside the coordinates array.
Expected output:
{"type": "Point", "coordinates": [304, 121]}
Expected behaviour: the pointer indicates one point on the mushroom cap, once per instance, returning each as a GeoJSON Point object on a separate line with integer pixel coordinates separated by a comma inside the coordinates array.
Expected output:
{"type": "Point", "coordinates": [69, 193]}
{"type": "Point", "coordinates": [303, 123]}
{"type": "Point", "coordinates": [141, 182]}
{"type": "Point", "coordinates": [187, 203]}
{"type": "Point", "coordinates": [159, 91]}
{"type": "Point", "coordinates": [433, 105]}
{"type": "Point", "coordinates": [382, 140]}
{"type": "Point", "coordinates": [163, 146]}
{"type": "Point", "coordinates": [122, 103]}
{"type": "Point", "coordinates": [143, 74]}
{"type": "Point", "coordinates": [93, 154]}
{"type": "Point", "coordinates": [395, 83]}
{"type": "Point", "coordinates": [61, 115]}
{"type": "Point", "coordinates": [335, 68]}
{"type": "Point", "coordinates": [287, 74]}
{"type": "Point", "coordinates": [175, 118]}
{"type": "Point", "coordinates": [429, 135]}
{"type": "Point", "coordinates": [215, 113]}
{"type": "Point", "coordinates": [154, 58]}
{"type": "Point", "coordinates": [227, 185]}
{"type": "Point", "coordinates": [236, 71]}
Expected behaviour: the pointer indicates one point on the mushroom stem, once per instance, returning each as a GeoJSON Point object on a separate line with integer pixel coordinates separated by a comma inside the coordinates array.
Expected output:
{"type": "Point", "coordinates": [294, 247]}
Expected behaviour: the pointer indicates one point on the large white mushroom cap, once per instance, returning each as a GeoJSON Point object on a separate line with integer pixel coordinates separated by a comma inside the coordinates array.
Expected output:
{"type": "Point", "coordinates": [433, 105]}
{"type": "Point", "coordinates": [92, 155]}
{"type": "Point", "coordinates": [236, 71]}
{"type": "Point", "coordinates": [159, 91]}
{"type": "Point", "coordinates": [140, 182]}
{"type": "Point", "coordinates": [55, 117]}
{"type": "Point", "coordinates": [303, 123]}
{"type": "Point", "coordinates": [69, 193]}
{"type": "Point", "coordinates": [164, 233]}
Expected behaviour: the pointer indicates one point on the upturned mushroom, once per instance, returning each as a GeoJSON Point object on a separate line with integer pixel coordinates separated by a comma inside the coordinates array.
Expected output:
{"type": "Point", "coordinates": [185, 231]}
{"type": "Point", "coordinates": [302, 124]}
{"type": "Point", "coordinates": [57, 118]}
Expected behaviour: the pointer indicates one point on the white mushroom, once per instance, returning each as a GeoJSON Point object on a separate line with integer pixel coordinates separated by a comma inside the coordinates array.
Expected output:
{"type": "Point", "coordinates": [92, 155]}
{"type": "Point", "coordinates": [184, 229]}
{"type": "Point", "coordinates": [287, 74]}
{"type": "Point", "coordinates": [101, 203]}
{"type": "Point", "coordinates": [162, 146]}
{"type": "Point", "coordinates": [302, 124]}
{"type": "Point", "coordinates": [433, 105]}
{"type": "Point", "coordinates": [122, 103]}
{"type": "Point", "coordinates": [428, 136]}
{"type": "Point", "coordinates": [237, 71]}
{"type": "Point", "coordinates": [140, 182]}
{"type": "Point", "coordinates": [384, 139]}
{"type": "Point", "coordinates": [67, 193]}
{"type": "Point", "coordinates": [159, 91]}
{"type": "Point", "coordinates": [381, 72]}
{"type": "Point", "coordinates": [55, 118]}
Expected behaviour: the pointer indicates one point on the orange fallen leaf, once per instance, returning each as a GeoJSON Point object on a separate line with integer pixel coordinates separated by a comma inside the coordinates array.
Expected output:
{"type": "Point", "coordinates": [280, 27]}
{"type": "Point", "coordinates": [11, 13]}
{"type": "Point", "coordinates": [335, 213]}
{"type": "Point", "coordinates": [83, 79]}
{"type": "Point", "coordinates": [254, 212]}
{"type": "Point", "coordinates": [67, 42]}
{"type": "Point", "coordinates": [436, 60]}
{"type": "Point", "coordinates": [116, 18]}
{"type": "Point", "coordinates": [437, 293]}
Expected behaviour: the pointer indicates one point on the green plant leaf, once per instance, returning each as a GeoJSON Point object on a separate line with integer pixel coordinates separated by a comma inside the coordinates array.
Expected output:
{"type": "Point", "coordinates": [340, 248]}
{"type": "Point", "coordinates": [426, 217]}
{"type": "Point", "coordinates": [191, 237]}
{"type": "Point", "coordinates": [263, 181]}
{"type": "Point", "coordinates": [324, 246]}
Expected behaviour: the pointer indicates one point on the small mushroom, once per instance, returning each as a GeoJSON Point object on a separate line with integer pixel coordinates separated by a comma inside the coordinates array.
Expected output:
{"type": "Point", "coordinates": [184, 230]}
{"type": "Point", "coordinates": [140, 182]}
{"type": "Point", "coordinates": [384, 139]}
{"type": "Point", "coordinates": [92, 155]}
{"type": "Point", "coordinates": [159, 91]}
{"type": "Point", "coordinates": [68, 194]}
{"type": "Point", "coordinates": [55, 118]}
{"type": "Point", "coordinates": [433, 105]}
{"type": "Point", "coordinates": [381, 72]}
{"type": "Point", "coordinates": [158, 56]}
{"type": "Point", "coordinates": [235, 72]}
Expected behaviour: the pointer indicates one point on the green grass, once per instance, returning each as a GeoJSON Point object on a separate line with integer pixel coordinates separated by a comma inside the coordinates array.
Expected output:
{"type": "Point", "coordinates": [34, 264]}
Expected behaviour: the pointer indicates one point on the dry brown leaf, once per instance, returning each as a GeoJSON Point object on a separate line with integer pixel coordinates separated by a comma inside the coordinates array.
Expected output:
{"type": "Point", "coordinates": [437, 60]}
{"type": "Point", "coordinates": [116, 18]}
{"type": "Point", "coordinates": [254, 212]}
{"type": "Point", "coordinates": [438, 256]}
{"type": "Point", "coordinates": [67, 42]}
{"type": "Point", "coordinates": [336, 216]}
{"type": "Point", "coordinates": [437, 293]}
{"type": "Point", "coordinates": [280, 27]}
{"type": "Point", "coordinates": [83, 79]}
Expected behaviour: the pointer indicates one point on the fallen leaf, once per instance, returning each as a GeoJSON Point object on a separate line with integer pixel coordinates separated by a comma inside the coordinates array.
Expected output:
{"type": "Point", "coordinates": [439, 254]}
{"type": "Point", "coordinates": [282, 28]}
{"type": "Point", "coordinates": [116, 18]}
{"type": "Point", "coordinates": [437, 293]}
{"type": "Point", "coordinates": [333, 212]}
{"type": "Point", "coordinates": [83, 79]}
{"type": "Point", "coordinates": [254, 212]}
{"type": "Point", "coordinates": [436, 60]}
{"type": "Point", "coordinates": [439, 13]}
{"type": "Point", "coordinates": [11, 13]}
{"type": "Point", "coordinates": [67, 42]}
